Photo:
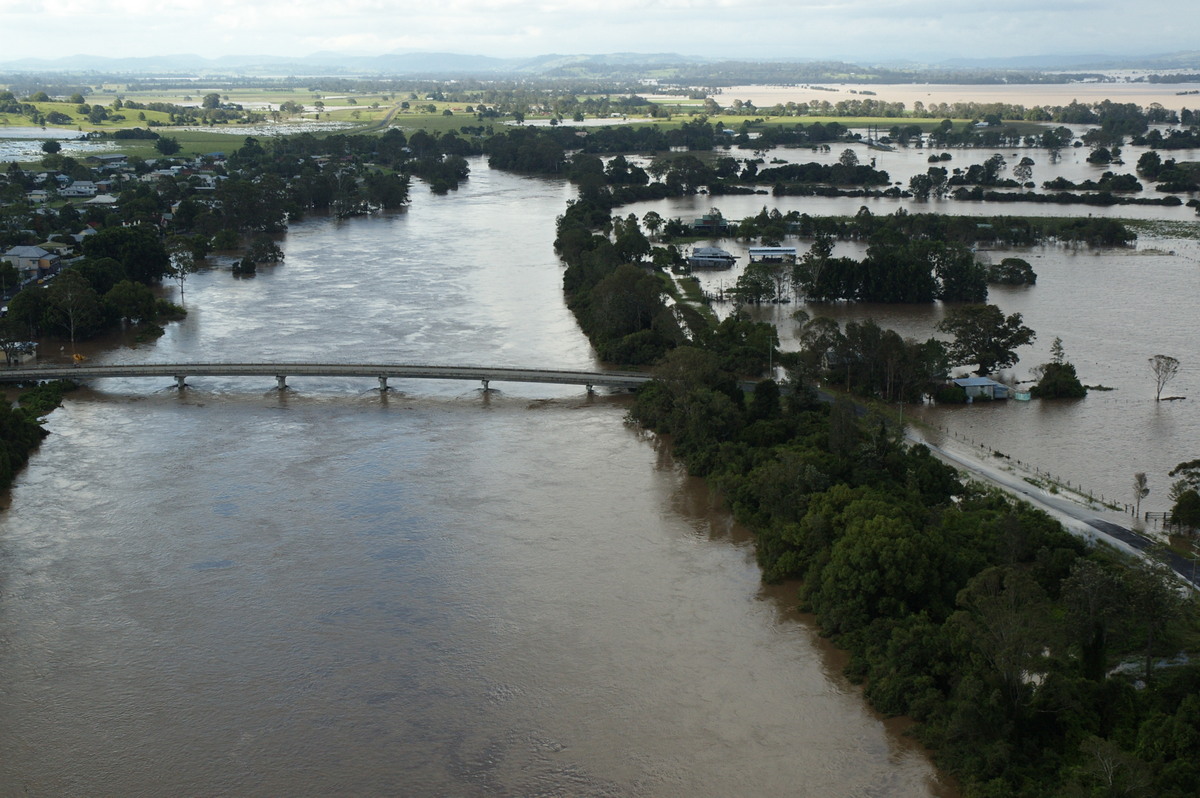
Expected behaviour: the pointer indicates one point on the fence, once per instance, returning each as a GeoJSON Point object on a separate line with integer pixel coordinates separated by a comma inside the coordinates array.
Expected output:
{"type": "Point", "coordinates": [1042, 474]}
{"type": "Point", "coordinates": [1163, 521]}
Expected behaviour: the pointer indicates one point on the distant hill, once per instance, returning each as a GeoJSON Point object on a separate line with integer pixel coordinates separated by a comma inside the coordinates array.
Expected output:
{"type": "Point", "coordinates": [326, 63]}
{"type": "Point", "coordinates": [689, 70]}
{"type": "Point", "coordinates": [1093, 62]}
{"type": "Point", "coordinates": [317, 63]}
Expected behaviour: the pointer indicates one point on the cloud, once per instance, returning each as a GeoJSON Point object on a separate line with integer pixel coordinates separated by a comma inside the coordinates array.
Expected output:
{"type": "Point", "coordinates": [858, 29]}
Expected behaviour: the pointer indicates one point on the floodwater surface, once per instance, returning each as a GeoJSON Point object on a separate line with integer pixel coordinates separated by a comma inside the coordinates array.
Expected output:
{"type": "Point", "coordinates": [1113, 309]}
{"type": "Point", "coordinates": [231, 590]}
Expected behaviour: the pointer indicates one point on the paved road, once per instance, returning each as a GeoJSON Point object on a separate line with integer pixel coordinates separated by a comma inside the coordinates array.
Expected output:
{"type": "Point", "coordinates": [1120, 536]}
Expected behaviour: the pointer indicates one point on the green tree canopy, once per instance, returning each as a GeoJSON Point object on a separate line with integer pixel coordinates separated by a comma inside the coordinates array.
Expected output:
{"type": "Point", "coordinates": [167, 145]}
{"type": "Point", "coordinates": [985, 337]}
{"type": "Point", "coordinates": [139, 250]}
{"type": "Point", "coordinates": [1058, 377]}
{"type": "Point", "coordinates": [132, 301]}
{"type": "Point", "coordinates": [73, 305]}
{"type": "Point", "coordinates": [1012, 271]}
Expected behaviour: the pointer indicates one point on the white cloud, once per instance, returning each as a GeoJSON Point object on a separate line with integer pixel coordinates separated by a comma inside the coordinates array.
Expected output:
{"type": "Point", "coordinates": [857, 29]}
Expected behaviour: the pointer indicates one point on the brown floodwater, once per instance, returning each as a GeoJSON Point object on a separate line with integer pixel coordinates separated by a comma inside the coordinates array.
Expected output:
{"type": "Point", "coordinates": [1169, 95]}
{"type": "Point", "coordinates": [235, 591]}
{"type": "Point", "coordinates": [1113, 309]}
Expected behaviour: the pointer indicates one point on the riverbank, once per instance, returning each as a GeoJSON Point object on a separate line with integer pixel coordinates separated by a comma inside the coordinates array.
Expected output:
{"type": "Point", "coordinates": [21, 431]}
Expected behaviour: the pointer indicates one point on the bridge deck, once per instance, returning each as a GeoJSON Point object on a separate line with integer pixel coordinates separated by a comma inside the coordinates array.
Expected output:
{"type": "Point", "coordinates": [279, 370]}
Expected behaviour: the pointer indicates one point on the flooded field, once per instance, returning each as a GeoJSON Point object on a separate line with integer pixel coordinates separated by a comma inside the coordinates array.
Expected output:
{"type": "Point", "coordinates": [1169, 95]}
{"type": "Point", "coordinates": [1113, 309]}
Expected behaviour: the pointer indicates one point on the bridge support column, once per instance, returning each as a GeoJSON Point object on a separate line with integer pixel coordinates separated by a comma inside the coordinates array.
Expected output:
{"type": "Point", "coordinates": [281, 382]}
{"type": "Point", "coordinates": [180, 381]}
{"type": "Point", "coordinates": [382, 383]}
{"type": "Point", "coordinates": [590, 390]}
{"type": "Point", "coordinates": [485, 385]}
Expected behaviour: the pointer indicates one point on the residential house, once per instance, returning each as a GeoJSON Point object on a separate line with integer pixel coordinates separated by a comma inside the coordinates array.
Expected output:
{"type": "Point", "coordinates": [207, 181]}
{"type": "Point", "coordinates": [982, 388]}
{"type": "Point", "coordinates": [80, 188]}
{"type": "Point", "coordinates": [107, 159]}
{"type": "Point", "coordinates": [773, 254]}
{"type": "Point", "coordinates": [712, 224]}
{"type": "Point", "coordinates": [32, 262]}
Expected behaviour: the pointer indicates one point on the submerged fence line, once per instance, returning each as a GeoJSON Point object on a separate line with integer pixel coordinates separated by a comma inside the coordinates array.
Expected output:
{"type": "Point", "coordinates": [1054, 479]}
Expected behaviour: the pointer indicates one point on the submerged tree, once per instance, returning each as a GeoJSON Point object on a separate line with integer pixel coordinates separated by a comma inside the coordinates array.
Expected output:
{"type": "Point", "coordinates": [181, 250]}
{"type": "Point", "coordinates": [73, 306]}
{"type": "Point", "coordinates": [1023, 171]}
{"type": "Point", "coordinates": [984, 336]}
{"type": "Point", "coordinates": [1141, 490]}
{"type": "Point", "coordinates": [1165, 368]}
{"type": "Point", "coordinates": [1058, 378]}
{"type": "Point", "coordinates": [1012, 271]}
{"type": "Point", "coordinates": [132, 301]}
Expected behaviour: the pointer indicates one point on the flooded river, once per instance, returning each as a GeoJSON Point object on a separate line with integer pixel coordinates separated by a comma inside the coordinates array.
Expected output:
{"type": "Point", "coordinates": [233, 591]}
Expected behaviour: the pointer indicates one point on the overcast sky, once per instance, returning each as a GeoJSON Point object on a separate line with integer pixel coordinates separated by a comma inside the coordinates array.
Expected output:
{"type": "Point", "coordinates": [862, 30]}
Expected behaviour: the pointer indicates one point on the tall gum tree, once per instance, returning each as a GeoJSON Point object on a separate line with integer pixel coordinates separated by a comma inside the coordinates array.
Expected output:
{"type": "Point", "coordinates": [1165, 368]}
{"type": "Point", "coordinates": [985, 337]}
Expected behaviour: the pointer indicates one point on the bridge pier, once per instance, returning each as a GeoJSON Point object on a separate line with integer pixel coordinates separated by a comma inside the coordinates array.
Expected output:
{"type": "Point", "coordinates": [485, 385]}
{"type": "Point", "coordinates": [383, 383]}
{"type": "Point", "coordinates": [590, 390]}
{"type": "Point", "coordinates": [180, 381]}
{"type": "Point", "coordinates": [281, 382]}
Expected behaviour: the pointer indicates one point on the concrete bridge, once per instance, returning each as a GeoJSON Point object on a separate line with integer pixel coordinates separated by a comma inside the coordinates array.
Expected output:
{"type": "Point", "coordinates": [281, 371]}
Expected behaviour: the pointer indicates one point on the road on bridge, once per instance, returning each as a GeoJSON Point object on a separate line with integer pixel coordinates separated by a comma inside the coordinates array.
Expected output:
{"type": "Point", "coordinates": [280, 371]}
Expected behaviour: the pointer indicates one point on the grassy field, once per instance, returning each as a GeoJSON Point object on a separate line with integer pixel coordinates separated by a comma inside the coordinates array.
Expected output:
{"type": "Point", "coordinates": [365, 112]}
{"type": "Point", "coordinates": [81, 122]}
{"type": "Point", "coordinates": [367, 108]}
{"type": "Point", "coordinates": [354, 108]}
{"type": "Point", "coordinates": [357, 109]}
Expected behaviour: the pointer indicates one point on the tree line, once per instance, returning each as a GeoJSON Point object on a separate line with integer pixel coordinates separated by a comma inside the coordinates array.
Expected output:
{"type": "Point", "coordinates": [1016, 231]}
